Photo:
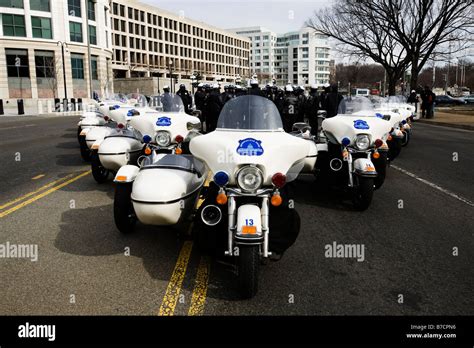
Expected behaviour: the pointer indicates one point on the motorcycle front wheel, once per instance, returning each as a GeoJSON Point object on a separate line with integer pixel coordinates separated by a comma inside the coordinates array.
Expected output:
{"type": "Point", "coordinates": [363, 193]}
{"type": "Point", "coordinates": [124, 215]}
{"type": "Point", "coordinates": [99, 173]}
{"type": "Point", "coordinates": [406, 138]}
{"type": "Point", "coordinates": [248, 268]}
{"type": "Point", "coordinates": [85, 152]}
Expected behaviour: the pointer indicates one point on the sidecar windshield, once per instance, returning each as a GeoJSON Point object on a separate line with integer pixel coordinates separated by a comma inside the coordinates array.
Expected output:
{"type": "Point", "coordinates": [167, 102]}
{"type": "Point", "coordinates": [250, 112]}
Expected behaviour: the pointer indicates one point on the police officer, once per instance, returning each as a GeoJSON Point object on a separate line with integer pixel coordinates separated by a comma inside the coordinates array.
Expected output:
{"type": "Point", "coordinates": [290, 109]}
{"type": "Point", "coordinates": [254, 89]}
{"type": "Point", "coordinates": [312, 108]}
{"type": "Point", "coordinates": [213, 107]}
{"type": "Point", "coordinates": [299, 92]}
{"type": "Point", "coordinates": [226, 95]}
{"type": "Point", "coordinates": [167, 99]}
{"type": "Point", "coordinates": [332, 101]}
{"type": "Point", "coordinates": [279, 99]}
{"type": "Point", "coordinates": [186, 98]}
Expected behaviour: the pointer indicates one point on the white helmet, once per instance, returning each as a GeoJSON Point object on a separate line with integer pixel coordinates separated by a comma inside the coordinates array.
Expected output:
{"type": "Point", "coordinates": [253, 82]}
{"type": "Point", "coordinates": [201, 84]}
{"type": "Point", "coordinates": [314, 86]}
{"type": "Point", "coordinates": [289, 88]}
{"type": "Point", "coordinates": [166, 87]}
{"type": "Point", "coordinates": [413, 91]}
{"type": "Point", "coordinates": [215, 85]}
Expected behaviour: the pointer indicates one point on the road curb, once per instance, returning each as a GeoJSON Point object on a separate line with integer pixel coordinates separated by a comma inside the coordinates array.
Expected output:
{"type": "Point", "coordinates": [445, 124]}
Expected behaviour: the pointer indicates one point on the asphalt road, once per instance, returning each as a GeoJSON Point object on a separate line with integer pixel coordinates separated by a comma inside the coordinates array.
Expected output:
{"type": "Point", "coordinates": [422, 212]}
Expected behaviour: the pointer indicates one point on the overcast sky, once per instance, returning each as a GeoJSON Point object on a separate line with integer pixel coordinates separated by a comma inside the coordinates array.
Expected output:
{"type": "Point", "coordinates": [279, 16]}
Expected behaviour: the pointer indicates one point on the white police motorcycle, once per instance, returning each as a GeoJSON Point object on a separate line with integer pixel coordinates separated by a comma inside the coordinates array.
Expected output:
{"type": "Point", "coordinates": [404, 121]}
{"type": "Point", "coordinates": [356, 155]}
{"type": "Point", "coordinates": [247, 213]}
{"type": "Point", "coordinates": [119, 144]}
{"type": "Point", "coordinates": [162, 188]}
{"type": "Point", "coordinates": [96, 119]}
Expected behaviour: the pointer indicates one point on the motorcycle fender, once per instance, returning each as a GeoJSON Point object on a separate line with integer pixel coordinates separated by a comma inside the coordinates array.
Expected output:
{"type": "Point", "coordinates": [84, 131]}
{"type": "Point", "coordinates": [364, 167]}
{"type": "Point", "coordinates": [127, 173]}
{"type": "Point", "coordinates": [249, 221]}
{"type": "Point", "coordinates": [96, 144]}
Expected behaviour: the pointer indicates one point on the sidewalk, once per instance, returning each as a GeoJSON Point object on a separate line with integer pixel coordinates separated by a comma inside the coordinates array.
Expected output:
{"type": "Point", "coordinates": [462, 121]}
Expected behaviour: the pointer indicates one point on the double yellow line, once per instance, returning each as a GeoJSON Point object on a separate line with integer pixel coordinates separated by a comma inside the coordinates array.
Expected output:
{"type": "Point", "coordinates": [173, 291]}
{"type": "Point", "coordinates": [39, 193]}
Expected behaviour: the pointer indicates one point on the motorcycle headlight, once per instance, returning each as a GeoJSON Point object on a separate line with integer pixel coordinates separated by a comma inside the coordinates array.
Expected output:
{"type": "Point", "coordinates": [163, 138]}
{"type": "Point", "coordinates": [362, 142]}
{"type": "Point", "coordinates": [250, 178]}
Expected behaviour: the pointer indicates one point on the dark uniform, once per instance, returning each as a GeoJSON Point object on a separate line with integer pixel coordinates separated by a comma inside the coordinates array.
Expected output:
{"type": "Point", "coordinates": [312, 107]}
{"type": "Point", "coordinates": [213, 107]}
{"type": "Point", "coordinates": [290, 110]}
{"type": "Point", "coordinates": [186, 98]}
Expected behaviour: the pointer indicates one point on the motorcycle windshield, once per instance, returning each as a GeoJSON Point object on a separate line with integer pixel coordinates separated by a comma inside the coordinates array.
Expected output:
{"type": "Point", "coordinates": [117, 97]}
{"type": "Point", "coordinates": [137, 100]}
{"type": "Point", "coordinates": [355, 105]}
{"type": "Point", "coordinates": [250, 112]}
{"type": "Point", "coordinates": [167, 102]}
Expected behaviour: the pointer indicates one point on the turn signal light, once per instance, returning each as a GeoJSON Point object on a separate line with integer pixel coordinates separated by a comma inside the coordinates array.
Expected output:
{"type": "Point", "coordinates": [121, 178]}
{"type": "Point", "coordinates": [178, 151]}
{"type": "Point", "coordinates": [179, 139]}
{"type": "Point", "coordinates": [378, 142]}
{"type": "Point", "coordinates": [249, 229]}
{"type": "Point", "coordinates": [106, 118]}
{"type": "Point", "coordinates": [147, 151]}
{"type": "Point", "coordinates": [276, 200]}
{"type": "Point", "coordinates": [120, 125]}
{"type": "Point", "coordinates": [221, 198]}
{"type": "Point", "coordinates": [345, 154]}
{"type": "Point", "coordinates": [95, 147]}
{"type": "Point", "coordinates": [376, 155]}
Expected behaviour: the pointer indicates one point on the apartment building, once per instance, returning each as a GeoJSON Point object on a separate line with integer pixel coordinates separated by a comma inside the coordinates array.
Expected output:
{"type": "Point", "coordinates": [301, 57]}
{"type": "Point", "coordinates": [33, 36]}
{"type": "Point", "coordinates": [104, 40]}
{"type": "Point", "coordinates": [148, 41]}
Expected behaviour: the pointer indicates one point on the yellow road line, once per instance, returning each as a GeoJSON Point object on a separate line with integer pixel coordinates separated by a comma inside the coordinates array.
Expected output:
{"type": "Point", "coordinates": [43, 194]}
{"type": "Point", "coordinates": [198, 299]}
{"type": "Point", "coordinates": [168, 305]}
{"type": "Point", "coordinates": [37, 177]}
{"type": "Point", "coordinates": [34, 192]}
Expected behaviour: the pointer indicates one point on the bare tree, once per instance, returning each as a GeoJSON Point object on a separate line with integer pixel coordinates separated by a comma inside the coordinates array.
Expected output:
{"type": "Point", "coordinates": [52, 67]}
{"type": "Point", "coordinates": [426, 27]}
{"type": "Point", "coordinates": [397, 34]}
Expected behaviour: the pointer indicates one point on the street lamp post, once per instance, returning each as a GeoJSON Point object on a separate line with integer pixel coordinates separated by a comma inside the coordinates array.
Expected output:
{"type": "Point", "coordinates": [64, 69]}
{"type": "Point", "coordinates": [193, 81]}
{"type": "Point", "coordinates": [171, 74]}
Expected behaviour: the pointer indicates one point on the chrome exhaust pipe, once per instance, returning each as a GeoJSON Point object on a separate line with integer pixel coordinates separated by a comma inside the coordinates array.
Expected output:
{"type": "Point", "coordinates": [211, 215]}
{"type": "Point", "coordinates": [335, 164]}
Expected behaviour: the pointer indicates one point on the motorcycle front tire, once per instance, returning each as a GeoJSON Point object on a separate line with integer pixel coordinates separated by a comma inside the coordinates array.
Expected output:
{"type": "Point", "coordinates": [99, 173]}
{"type": "Point", "coordinates": [248, 264]}
{"type": "Point", "coordinates": [406, 138]}
{"type": "Point", "coordinates": [85, 152]}
{"type": "Point", "coordinates": [363, 193]}
{"type": "Point", "coordinates": [124, 215]}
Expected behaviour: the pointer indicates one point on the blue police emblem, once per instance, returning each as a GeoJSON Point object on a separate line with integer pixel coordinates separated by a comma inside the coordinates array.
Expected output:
{"type": "Point", "coordinates": [250, 147]}
{"type": "Point", "coordinates": [163, 122]}
{"type": "Point", "coordinates": [379, 115]}
{"type": "Point", "coordinates": [361, 124]}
